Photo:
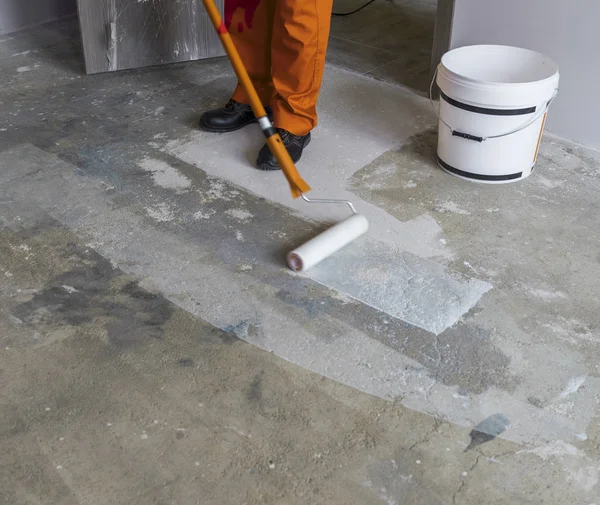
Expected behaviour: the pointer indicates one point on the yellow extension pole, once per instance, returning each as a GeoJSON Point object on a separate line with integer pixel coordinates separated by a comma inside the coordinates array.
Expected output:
{"type": "Point", "coordinates": [297, 185]}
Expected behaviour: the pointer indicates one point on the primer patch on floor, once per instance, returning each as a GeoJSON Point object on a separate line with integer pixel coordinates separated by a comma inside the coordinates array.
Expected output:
{"type": "Point", "coordinates": [415, 290]}
{"type": "Point", "coordinates": [360, 119]}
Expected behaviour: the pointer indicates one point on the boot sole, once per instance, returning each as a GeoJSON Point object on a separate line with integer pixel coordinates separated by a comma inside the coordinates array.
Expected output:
{"type": "Point", "coordinates": [267, 167]}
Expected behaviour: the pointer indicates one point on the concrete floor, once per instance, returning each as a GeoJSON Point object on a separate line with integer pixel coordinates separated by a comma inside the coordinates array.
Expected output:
{"type": "Point", "coordinates": [390, 40]}
{"type": "Point", "coordinates": [155, 349]}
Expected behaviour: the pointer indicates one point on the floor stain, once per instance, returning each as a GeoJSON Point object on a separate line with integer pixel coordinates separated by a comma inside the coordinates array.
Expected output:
{"type": "Point", "coordinates": [186, 362]}
{"type": "Point", "coordinates": [254, 394]}
{"type": "Point", "coordinates": [90, 290]}
{"type": "Point", "coordinates": [487, 430]}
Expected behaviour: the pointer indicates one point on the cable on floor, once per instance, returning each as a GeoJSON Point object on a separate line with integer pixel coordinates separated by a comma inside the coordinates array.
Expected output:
{"type": "Point", "coordinates": [354, 11]}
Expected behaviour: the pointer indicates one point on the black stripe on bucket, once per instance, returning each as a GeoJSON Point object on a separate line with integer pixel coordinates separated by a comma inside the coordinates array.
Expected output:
{"type": "Point", "coordinates": [479, 177]}
{"type": "Point", "coordinates": [483, 110]}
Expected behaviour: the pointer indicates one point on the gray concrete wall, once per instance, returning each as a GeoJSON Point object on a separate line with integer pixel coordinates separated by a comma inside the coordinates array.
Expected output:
{"type": "Point", "coordinates": [565, 31]}
{"type": "Point", "coordinates": [18, 14]}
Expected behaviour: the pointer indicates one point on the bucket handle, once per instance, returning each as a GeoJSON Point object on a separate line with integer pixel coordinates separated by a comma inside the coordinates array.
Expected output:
{"type": "Point", "coordinates": [477, 138]}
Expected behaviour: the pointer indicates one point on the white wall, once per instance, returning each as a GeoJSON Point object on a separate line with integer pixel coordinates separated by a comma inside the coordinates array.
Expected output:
{"type": "Point", "coordinates": [566, 31]}
{"type": "Point", "coordinates": [18, 14]}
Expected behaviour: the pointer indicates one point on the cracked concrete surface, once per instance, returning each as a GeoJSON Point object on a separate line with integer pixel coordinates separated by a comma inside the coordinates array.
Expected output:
{"type": "Point", "coordinates": [154, 349]}
{"type": "Point", "coordinates": [143, 402]}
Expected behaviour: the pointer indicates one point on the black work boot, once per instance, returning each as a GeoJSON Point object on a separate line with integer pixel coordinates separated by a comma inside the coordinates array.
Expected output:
{"type": "Point", "coordinates": [295, 145]}
{"type": "Point", "coordinates": [230, 118]}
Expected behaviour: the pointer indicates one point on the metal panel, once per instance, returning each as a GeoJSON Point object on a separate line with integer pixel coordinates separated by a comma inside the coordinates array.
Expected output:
{"type": "Point", "coordinates": [122, 34]}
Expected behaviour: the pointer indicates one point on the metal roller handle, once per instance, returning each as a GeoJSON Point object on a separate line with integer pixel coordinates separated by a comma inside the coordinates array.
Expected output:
{"type": "Point", "coordinates": [323, 200]}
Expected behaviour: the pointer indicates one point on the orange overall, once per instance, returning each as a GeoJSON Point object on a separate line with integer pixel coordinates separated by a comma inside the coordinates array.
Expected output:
{"type": "Point", "coordinates": [282, 44]}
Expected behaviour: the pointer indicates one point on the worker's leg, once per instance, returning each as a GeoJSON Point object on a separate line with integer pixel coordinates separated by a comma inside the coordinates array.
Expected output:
{"type": "Point", "coordinates": [298, 49]}
{"type": "Point", "coordinates": [250, 24]}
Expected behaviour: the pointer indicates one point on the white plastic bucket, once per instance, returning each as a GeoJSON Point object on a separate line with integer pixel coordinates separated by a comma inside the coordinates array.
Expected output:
{"type": "Point", "coordinates": [493, 106]}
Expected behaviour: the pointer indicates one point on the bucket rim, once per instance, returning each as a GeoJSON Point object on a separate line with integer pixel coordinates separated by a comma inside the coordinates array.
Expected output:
{"type": "Point", "coordinates": [465, 79]}
{"type": "Point", "coordinates": [444, 73]}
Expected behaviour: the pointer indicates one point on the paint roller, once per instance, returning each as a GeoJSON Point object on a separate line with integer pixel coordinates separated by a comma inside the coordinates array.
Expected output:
{"type": "Point", "coordinates": [331, 240]}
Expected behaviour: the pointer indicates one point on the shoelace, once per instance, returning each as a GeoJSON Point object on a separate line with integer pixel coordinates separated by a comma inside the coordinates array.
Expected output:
{"type": "Point", "coordinates": [284, 134]}
{"type": "Point", "coordinates": [231, 105]}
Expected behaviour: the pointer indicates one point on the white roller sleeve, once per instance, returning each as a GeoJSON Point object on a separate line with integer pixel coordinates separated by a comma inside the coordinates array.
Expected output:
{"type": "Point", "coordinates": [327, 243]}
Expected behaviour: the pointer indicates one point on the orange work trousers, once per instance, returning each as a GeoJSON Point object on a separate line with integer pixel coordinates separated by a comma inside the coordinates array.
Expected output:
{"type": "Point", "coordinates": [283, 45]}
